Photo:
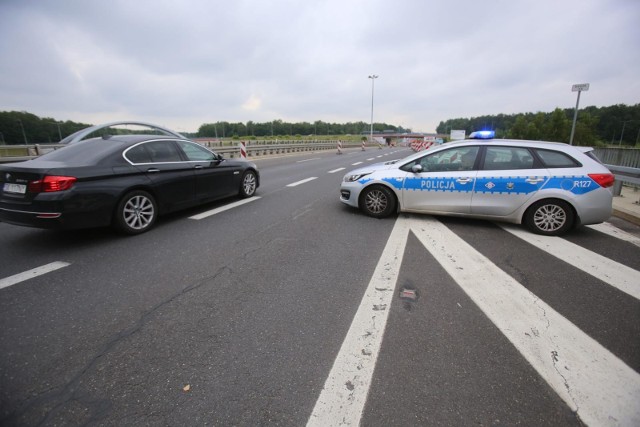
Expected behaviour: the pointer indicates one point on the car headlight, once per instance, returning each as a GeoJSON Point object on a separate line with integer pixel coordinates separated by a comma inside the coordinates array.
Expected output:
{"type": "Point", "coordinates": [352, 178]}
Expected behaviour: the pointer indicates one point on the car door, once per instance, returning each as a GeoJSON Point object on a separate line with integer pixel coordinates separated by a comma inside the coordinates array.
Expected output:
{"type": "Point", "coordinates": [507, 179]}
{"type": "Point", "coordinates": [441, 182]}
{"type": "Point", "coordinates": [215, 176]}
{"type": "Point", "coordinates": [173, 178]}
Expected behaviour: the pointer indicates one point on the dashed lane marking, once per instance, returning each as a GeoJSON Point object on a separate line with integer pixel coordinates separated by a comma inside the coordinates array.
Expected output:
{"type": "Point", "coordinates": [223, 208]}
{"type": "Point", "coordinates": [356, 163]}
{"type": "Point", "coordinates": [336, 170]}
{"type": "Point", "coordinates": [38, 271]}
{"type": "Point", "coordinates": [295, 184]}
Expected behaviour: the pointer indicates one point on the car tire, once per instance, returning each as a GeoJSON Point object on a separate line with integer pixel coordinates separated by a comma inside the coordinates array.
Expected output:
{"type": "Point", "coordinates": [136, 213]}
{"type": "Point", "coordinates": [550, 217]}
{"type": "Point", "coordinates": [249, 184]}
{"type": "Point", "coordinates": [378, 201]}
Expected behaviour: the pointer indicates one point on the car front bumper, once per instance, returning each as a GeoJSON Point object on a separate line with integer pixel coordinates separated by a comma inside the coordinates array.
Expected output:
{"type": "Point", "coordinates": [350, 193]}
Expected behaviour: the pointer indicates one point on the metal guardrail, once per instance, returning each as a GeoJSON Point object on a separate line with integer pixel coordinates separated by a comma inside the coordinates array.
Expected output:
{"type": "Point", "coordinates": [19, 153]}
{"type": "Point", "coordinates": [624, 174]}
{"type": "Point", "coordinates": [628, 157]}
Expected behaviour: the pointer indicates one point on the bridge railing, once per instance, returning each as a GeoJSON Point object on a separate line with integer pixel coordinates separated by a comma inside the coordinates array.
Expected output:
{"type": "Point", "coordinates": [18, 153]}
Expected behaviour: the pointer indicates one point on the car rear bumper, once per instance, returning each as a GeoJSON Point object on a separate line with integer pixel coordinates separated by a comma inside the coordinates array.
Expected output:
{"type": "Point", "coordinates": [53, 220]}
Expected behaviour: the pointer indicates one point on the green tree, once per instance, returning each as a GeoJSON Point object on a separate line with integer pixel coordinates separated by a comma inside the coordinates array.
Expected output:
{"type": "Point", "coordinates": [557, 127]}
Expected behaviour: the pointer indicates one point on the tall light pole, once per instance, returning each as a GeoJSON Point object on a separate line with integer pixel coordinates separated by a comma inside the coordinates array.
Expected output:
{"type": "Point", "coordinates": [373, 78]}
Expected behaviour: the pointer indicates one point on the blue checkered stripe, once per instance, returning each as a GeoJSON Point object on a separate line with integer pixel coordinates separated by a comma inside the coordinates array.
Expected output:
{"type": "Point", "coordinates": [577, 184]}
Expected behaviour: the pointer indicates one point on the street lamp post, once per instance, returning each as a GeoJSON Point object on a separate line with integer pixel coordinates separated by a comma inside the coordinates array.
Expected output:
{"type": "Point", "coordinates": [373, 77]}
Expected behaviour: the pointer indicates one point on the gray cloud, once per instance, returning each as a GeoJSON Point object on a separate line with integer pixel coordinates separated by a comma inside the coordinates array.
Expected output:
{"type": "Point", "coordinates": [181, 64]}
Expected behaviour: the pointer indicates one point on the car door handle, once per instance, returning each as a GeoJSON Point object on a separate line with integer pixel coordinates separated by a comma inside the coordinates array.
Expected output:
{"type": "Point", "coordinates": [153, 170]}
{"type": "Point", "coordinates": [464, 180]}
{"type": "Point", "coordinates": [534, 180]}
{"type": "Point", "coordinates": [198, 167]}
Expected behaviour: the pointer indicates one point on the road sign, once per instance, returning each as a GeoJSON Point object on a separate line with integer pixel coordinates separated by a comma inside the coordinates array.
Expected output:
{"type": "Point", "coordinates": [580, 87]}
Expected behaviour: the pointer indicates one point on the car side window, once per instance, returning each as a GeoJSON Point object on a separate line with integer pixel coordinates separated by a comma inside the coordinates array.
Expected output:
{"type": "Point", "coordinates": [454, 159]}
{"type": "Point", "coordinates": [557, 159]}
{"type": "Point", "coordinates": [504, 158]}
{"type": "Point", "coordinates": [195, 152]}
{"type": "Point", "coordinates": [138, 154]}
{"type": "Point", "coordinates": [163, 151]}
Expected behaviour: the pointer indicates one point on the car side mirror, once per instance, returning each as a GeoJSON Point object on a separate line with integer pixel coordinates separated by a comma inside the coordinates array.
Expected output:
{"type": "Point", "coordinates": [416, 168]}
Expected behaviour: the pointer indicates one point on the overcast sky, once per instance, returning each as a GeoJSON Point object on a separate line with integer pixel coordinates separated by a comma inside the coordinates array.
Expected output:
{"type": "Point", "coordinates": [183, 63]}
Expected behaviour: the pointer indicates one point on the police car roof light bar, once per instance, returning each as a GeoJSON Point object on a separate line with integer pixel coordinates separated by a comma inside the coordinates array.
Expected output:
{"type": "Point", "coordinates": [483, 134]}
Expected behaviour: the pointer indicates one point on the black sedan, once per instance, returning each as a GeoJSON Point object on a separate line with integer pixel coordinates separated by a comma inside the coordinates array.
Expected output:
{"type": "Point", "coordinates": [120, 180]}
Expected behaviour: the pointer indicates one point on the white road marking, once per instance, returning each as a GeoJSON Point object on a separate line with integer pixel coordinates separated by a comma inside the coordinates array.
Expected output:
{"type": "Point", "coordinates": [615, 274]}
{"type": "Point", "coordinates": [337, 170]}
{"type": "Point", "coordinates": [344, 394]}
{"type": "Point", "coordinates": [601, 388]}
{"type": "Point", "coordinates": [223, 208]}
{"type": "Point", "coordinates": [592, 381]}
{"type": "Point", "coordinates": [308, 160]}
{"type": "Point", "coordinates": [372, 158]}
{"type": "Point", "coordinates": [356, 163]}
{"type": "Point", "coordinates": [302, 182]}
{"type": "Point", "coordinates": [611, 230]}
{"type": "Point", "coordinates": [38, 271]}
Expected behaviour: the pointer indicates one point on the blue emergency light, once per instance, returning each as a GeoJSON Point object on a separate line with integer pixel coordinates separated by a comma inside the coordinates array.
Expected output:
{"type": "Point", "coordinates": [483, 134]}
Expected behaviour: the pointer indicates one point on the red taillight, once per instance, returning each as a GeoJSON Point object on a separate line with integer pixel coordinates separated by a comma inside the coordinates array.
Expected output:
{"type": "Point", "coordinates": [603, 179]}
{"type": "Point", "coordinates": [51, 184]}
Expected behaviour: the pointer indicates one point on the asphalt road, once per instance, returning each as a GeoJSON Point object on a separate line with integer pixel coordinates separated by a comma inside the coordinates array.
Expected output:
{"type": "Point", "coordinates": [244, 317]}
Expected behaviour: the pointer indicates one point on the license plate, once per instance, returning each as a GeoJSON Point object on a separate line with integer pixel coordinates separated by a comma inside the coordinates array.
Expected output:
{"type": "Point", "coordinates": [15, 188]}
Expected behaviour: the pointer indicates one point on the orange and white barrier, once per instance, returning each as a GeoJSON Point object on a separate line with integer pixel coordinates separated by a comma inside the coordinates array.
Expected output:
{"type": "Point", "coordinates": [243, 149]}
{"type": "Point", "coordinates": [418, 145]}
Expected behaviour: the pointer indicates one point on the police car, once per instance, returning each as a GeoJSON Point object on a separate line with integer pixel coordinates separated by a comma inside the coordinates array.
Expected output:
{"type": "Point", "coordinates": [549, 187]}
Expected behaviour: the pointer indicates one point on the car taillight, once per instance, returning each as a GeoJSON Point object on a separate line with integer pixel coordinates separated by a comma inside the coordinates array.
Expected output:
{"type": "Point", "coordinates": [603, 179]}
{"type": "Point", "coordinates": [50, 184]}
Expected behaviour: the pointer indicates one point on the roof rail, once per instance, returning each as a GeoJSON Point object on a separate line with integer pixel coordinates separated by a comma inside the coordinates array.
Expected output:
{"type": "Point", "coordinates": [81, 134]}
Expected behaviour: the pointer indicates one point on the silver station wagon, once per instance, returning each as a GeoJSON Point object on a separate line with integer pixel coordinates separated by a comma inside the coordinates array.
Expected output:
{"type": "Point", "coordinates": [549, 187]}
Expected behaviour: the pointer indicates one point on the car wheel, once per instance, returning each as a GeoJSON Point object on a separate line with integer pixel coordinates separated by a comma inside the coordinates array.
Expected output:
{"type": "Point", "coordinates": [549, 217]}
{"type": "Point", "coordinates": [378, 201]}
{"type": "Point", "coordinates": [249, 184]}
{"type": "Point", "coordinates": [137, 212]}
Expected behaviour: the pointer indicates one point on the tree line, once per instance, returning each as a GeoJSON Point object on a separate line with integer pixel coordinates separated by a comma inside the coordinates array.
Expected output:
{"type": "Point", "coordinates": [613, 125]}
{"type": "Point", "coordinates": [279, 128]}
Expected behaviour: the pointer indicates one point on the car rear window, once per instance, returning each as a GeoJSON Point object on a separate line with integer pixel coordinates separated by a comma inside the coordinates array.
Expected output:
{"type": "Point", "coordinates": [593, 156]}
{"type": "Point", "coordinates": [87, 152]}
{"type": "Point", "coordinates": [557, 159]}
